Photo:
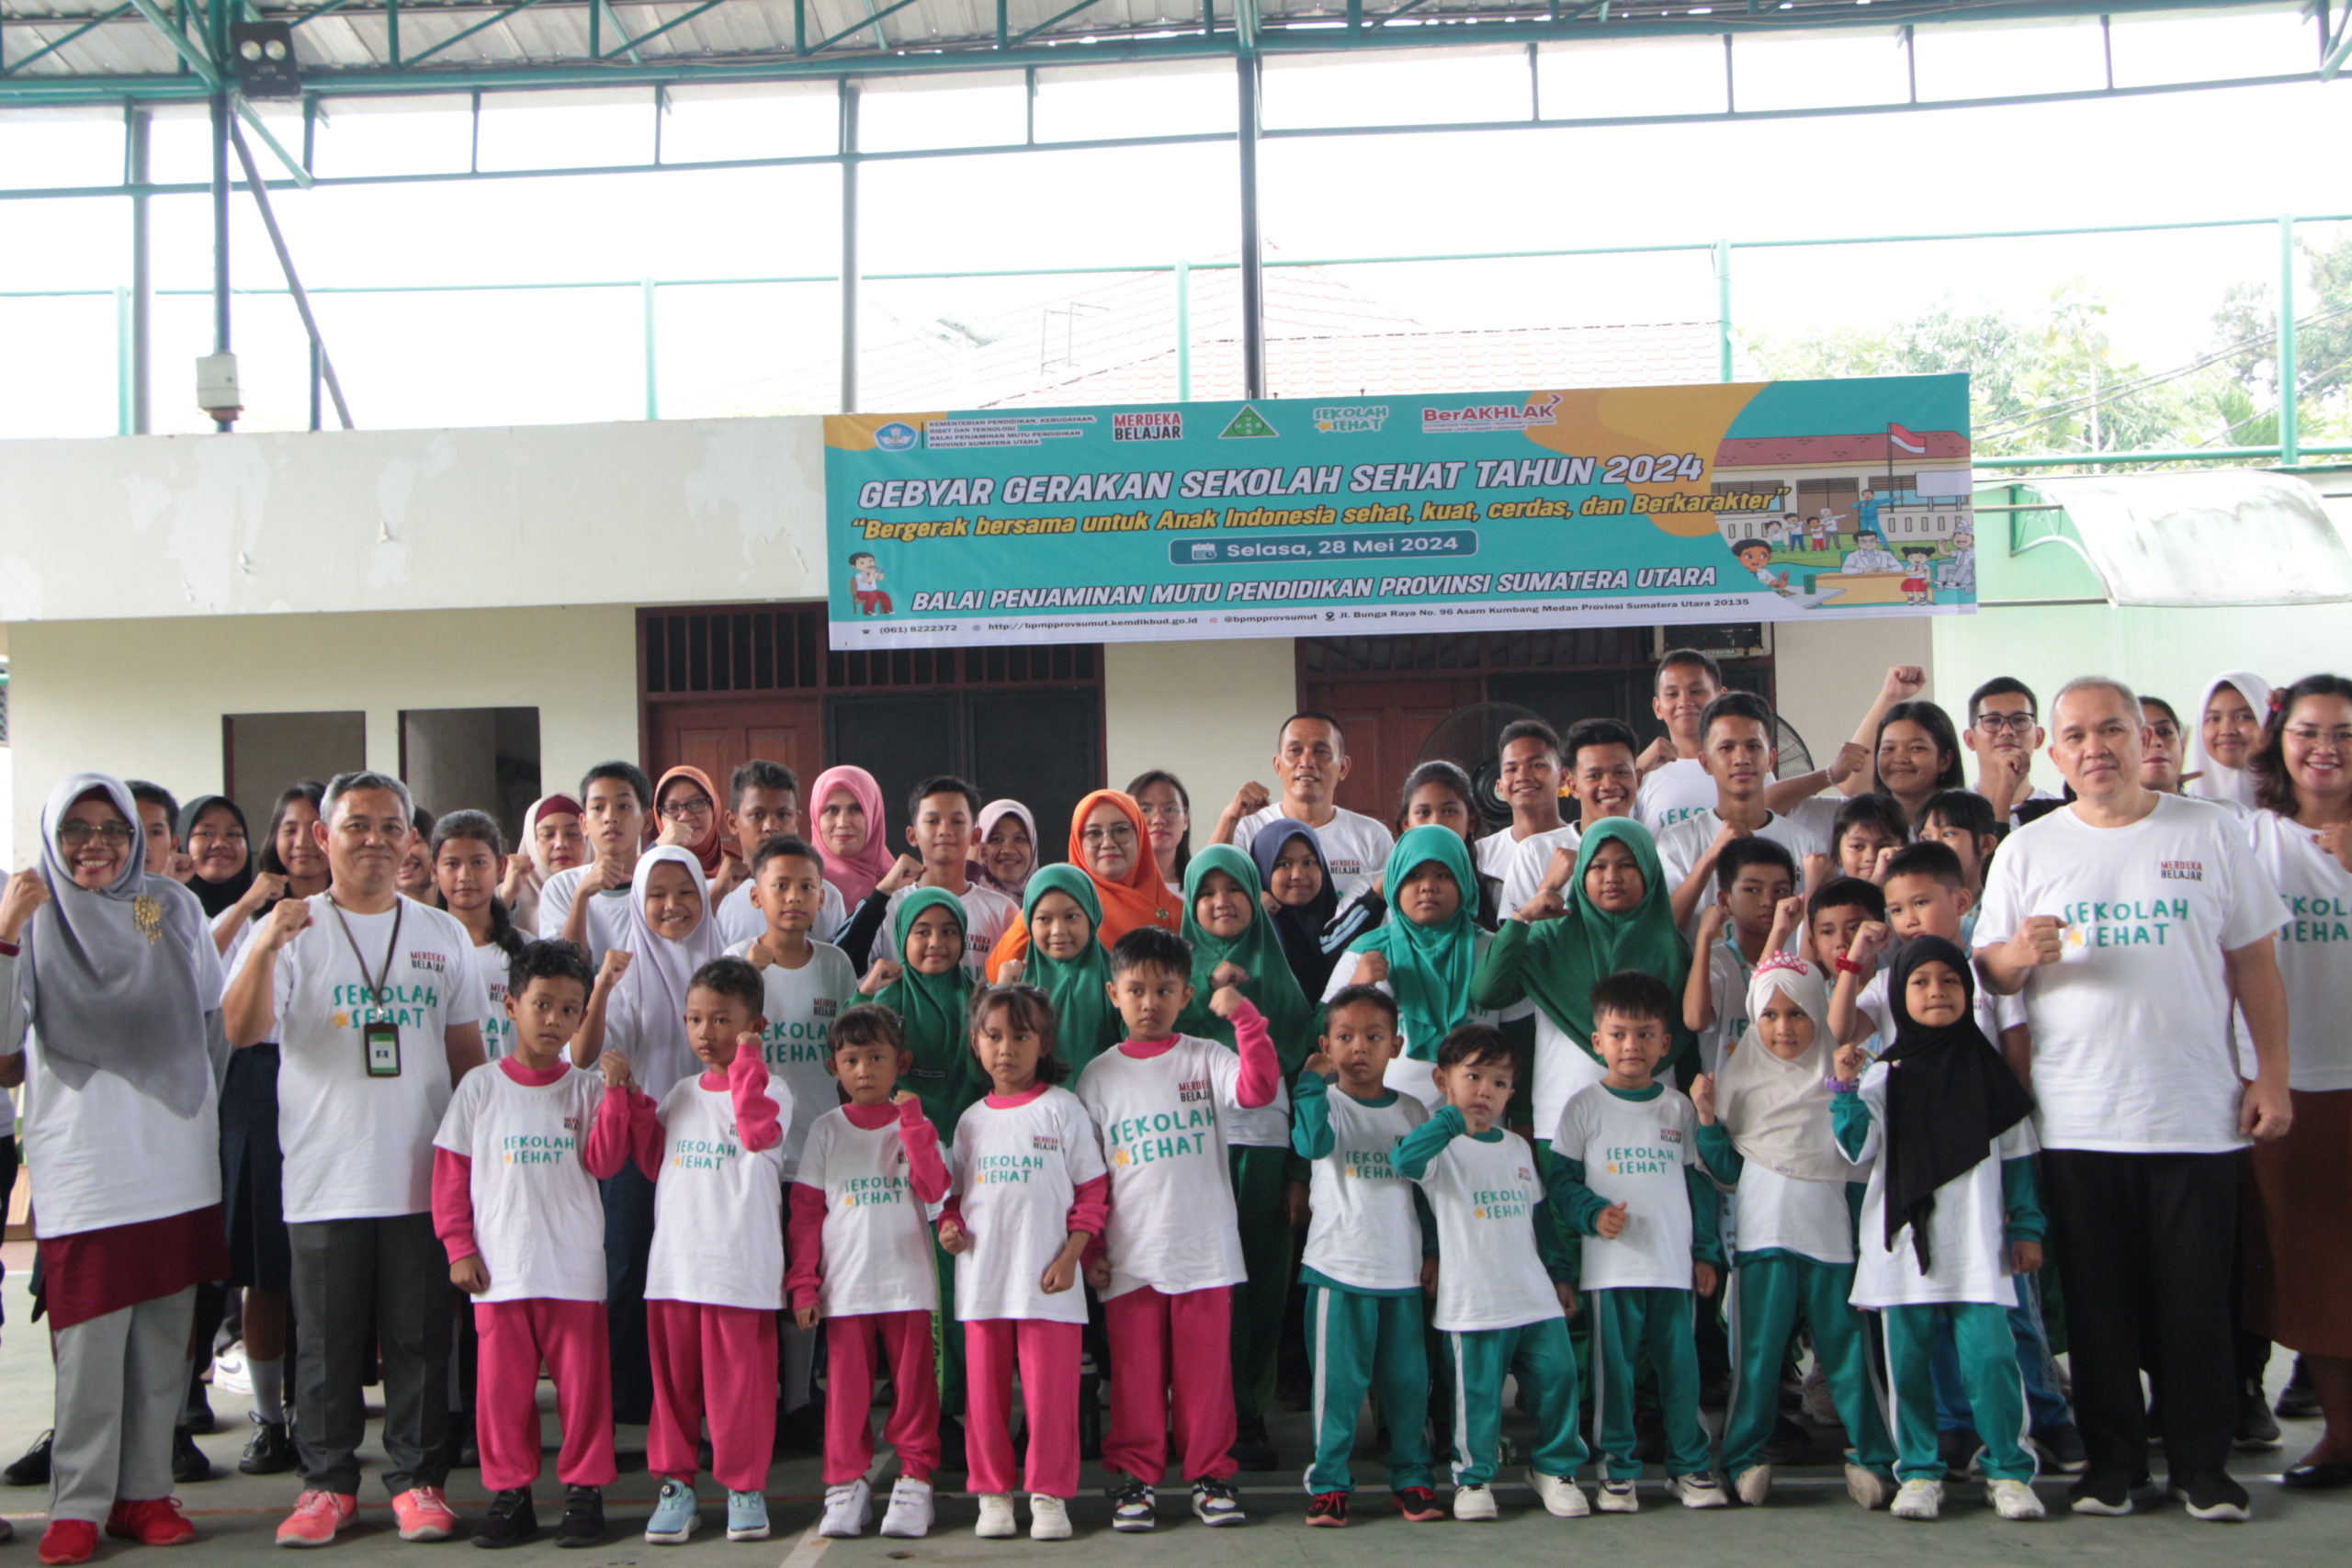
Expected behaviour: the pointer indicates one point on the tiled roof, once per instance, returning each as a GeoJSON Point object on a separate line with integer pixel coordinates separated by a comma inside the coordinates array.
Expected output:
{"type": "Point", "coordinates": [1871, 447]}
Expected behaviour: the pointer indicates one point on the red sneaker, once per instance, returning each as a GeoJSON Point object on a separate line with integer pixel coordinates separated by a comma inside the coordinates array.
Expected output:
{"type": "Point", "coordinates": [155, 1522]}
{"type": "Point", "coordinates": [316, 1517]}
{"type": "Point", "coordinates": [68, 1541]}
{"type": "Point", "coordinates": [425, 1515]}
{"type": "Point", "coordinates": [1418, 1504]}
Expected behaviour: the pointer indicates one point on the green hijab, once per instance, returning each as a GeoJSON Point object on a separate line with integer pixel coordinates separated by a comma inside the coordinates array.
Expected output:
{"type": "Point", "coordinates": [934, 1007]}
{"type": "Point", "coordinates": [1272, 988]}
{"type": "Point", "coordinates": [1086, 1024]}
{"type": "Point", "coordinates": [1428, 966]}
{"type": "Point", "coordinates": [1567, 956]}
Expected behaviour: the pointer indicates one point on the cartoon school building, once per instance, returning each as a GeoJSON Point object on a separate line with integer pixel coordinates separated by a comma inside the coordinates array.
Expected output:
{"type": "Point", "coordinates": [1911, 486]}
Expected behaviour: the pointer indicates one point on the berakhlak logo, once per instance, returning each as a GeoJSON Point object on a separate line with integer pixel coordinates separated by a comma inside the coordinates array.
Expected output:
{"type": "Point", "coordinates": [895, 436]}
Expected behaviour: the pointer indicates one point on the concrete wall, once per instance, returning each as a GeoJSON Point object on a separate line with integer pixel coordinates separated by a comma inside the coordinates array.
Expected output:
{"type": "Point", "coordinates": [1207, 712]}
{"type": "Point", "coordinates": [1828, 673]}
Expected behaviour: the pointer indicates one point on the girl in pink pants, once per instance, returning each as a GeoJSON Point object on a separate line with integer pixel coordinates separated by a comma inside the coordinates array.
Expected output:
{"type": "Point", "coordinates": [1030, 1188]}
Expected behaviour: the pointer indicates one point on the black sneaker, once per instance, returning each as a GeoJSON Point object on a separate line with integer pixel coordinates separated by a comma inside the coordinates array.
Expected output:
{"type": "Point", "coordinates": [511, 1521]}
{"type": "Point", "coordinates": [2299, 1401]}
{"type": "Point", "coordinates": [584, 1517]}
{"type": "Point", "coordinates": [189, 1463]}
{"type": "Point", "coordinates": [2214, 1497]}
{"type": "Point", "coordinates": [2104, 1493]}
{"type": "Point", "coordinates": [2062, 1449]}
{"type": "Point", "coordinates": [270, 1450]}
{"type": "Point", "coordinates": [1958, 1448]}
{"type": "Point", "coordinates": [2257, 1429]}
{"type": "Point", "coordinates": [1216, 1503]}
{"type": "Point", "coordinates": [31, 1468]}
{"type": "Point", "coordinates": [1250, 1449]}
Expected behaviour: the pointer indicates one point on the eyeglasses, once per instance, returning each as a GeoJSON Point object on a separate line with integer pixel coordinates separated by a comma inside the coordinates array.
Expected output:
{"type": "Point", "coordinates": [73, 835]}
{"type": "Point", "coordinates": [1171, 809]}
{"type": "Point", "coordinates": [2312, 734]}
{"type": "Point", "coordinates": [2015, 723]}
{"type": "Point", "coordinates": [1117, 833]}
{"type": "Point", "coordinates": [696, 806]}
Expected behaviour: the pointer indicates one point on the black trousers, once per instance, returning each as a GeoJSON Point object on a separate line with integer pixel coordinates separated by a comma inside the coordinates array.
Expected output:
{"type": "Point", "coordinates": [2143, 1244]}
{"type": "Point", "coordinates": [346, 1274]}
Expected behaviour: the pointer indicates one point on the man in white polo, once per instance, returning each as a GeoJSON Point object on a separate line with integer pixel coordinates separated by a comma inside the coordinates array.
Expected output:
{"type": "Point", "coordinates": [2129, 920]}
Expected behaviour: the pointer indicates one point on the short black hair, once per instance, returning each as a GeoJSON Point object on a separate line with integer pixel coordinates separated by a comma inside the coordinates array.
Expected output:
{"type": "Point", "coordinates": [942, 783]}
{"type": "Point", "coordinates": [629, 772]}
{"type": "Point", "coordinates": [1598, 732]}
{"type": "Point", "coordinates": [1690, 656]}
{"type": "Point", "coordinates": [1741, 545]}
{"type": "Point", "coordinates": [2003, 687]}
{"type": "Point", "coordinates": [1962, 808]}
{"type": "Point", "coordinates": [147, 793]}
{"type": "Point", "coordinates": [422, 820]}
{"type": "Point", "coordinates": [1754, 850]}
{"type": "Point", "coordinates": [781, 845]}
{"type": "Point", "coordinates": [1919, 551]}
{"type": "Point", "coordinates": [550, 961]}
{"type": "Point", "coordinates": [1361, 996]}
{"type": "Point", "coordinates": [856, 556]}
{"type": "Point", "coordinates": [761, 773]}
{"type": "Point", "coordinates": [1533, 729]}
{"type": "Point", "coordinates": [1738, 705]}
{"type": "Point", "coordinates": [868, 1023]}
{"type": "Point", "coordinates": [1029, 1010]}
{"type": "Point", "coordinates": [2168, 709]}
{"type": "Point", "coordinates": [1633, 993]}
{"type": "Point", "coordinates": [1467, 1044]}
{"type": "Point", "coordinates": [479, 826]}
{"type": "Point", "coordinates": [1339, 740]}
{"type": "Point", "coordinates": [1150, 947]}
{"type": "Point", "coordinates": [732, 977]}
{"type": "Point", "coordinates": [1876, 807]}
{"type": "Point", "coordinates": [1841, 891]}
{"type": "Point", "coordinates": [1927, 858]}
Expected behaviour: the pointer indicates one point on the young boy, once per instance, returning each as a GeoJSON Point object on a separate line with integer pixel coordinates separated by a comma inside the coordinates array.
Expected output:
{"type": "Point", "coordinates": [1737, 732]}
{"type": "Point", "coordinates": [940, 814]}
{"type": "Point", "coordinates": [1363, 1263]}
{"type": "Point", "coordinates": [589, 904]}
{"type": "Point", "coordinates": [1531, 782]}
{"type": "Point", "coordinates": [1675, 784]}
{"type": "Point", "coordinates": [1756, 885]}
{"type": "Point", "coordinates": [869, 1176]}
{"type": "Point", "coordinates": [1963, 820]}
{"type": "Point", "coordinates": [1626, 1168]}
{"type": "Point", "coordinates": [714, 1150]}
{"type": "Point", "coordinates": [1869, 827]}
{"type": "Point", "coordinates": [1503, 1289]}
{"type": "Point", "coordinates": [1834, 912]}
{"type": "Point", "coordinates": [767, 798]}
{"type": "Point", "coordinates": [515, 1201]}
{"type": "Point", "coordinates": [1166, 1271]}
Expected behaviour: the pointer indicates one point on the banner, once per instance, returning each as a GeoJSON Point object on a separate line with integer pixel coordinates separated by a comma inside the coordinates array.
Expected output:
{"type": "Point", "coordinates": [1343, 516]}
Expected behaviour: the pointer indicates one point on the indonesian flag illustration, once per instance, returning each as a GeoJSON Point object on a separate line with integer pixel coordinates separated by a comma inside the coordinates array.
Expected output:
{"type": "Point", "coordinates": [1905, 439]}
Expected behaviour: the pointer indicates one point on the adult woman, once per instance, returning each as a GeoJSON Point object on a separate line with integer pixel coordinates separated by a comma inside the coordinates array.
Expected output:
{"type": "Point", "coordinates": [2298, 1260]}
{"type": "Point", "coordinates": [113, 1024]}
{"type": "Point", "coordinates": [2229, 726]}
{"type": "Point", "coordinates": [1109, 843]}
{"type": "Point", "coordinates": [845, 804]}
{"type": "Point", "coordinates": [1300, 898]}
{"type": "Point", "coordinates": [553, 840]}
{"type": "Point", "coordinates": [1004, 848]}
{"type": "Point", "coordinates": [1167, 813]}
{"type": "Point", "coordinates": [688, 803]}
{"type": "Point", "coordinates": [1916, 754]}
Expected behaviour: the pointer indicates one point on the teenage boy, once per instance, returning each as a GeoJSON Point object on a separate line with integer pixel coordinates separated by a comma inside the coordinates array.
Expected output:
{"type": "Point", "coordinates": [159, 816]}
{"type": "Point", "coordinates": [377, 1015]}
{"type": "Point", "coordinates": [1675, 782]}
{"type": "Point", "coordinates": [1310, 759]}
{"type": "Point", "coordinates": [941, 811]}
{"type": "Point", "coordinates": [1531, 781]}
{"type": "Point", "coordinates": [1603, 777]}
{"type": "Point", "coordinates": [1736, 729]}
{"type": "Point", "coordinates": [589, 904]}
{"type": "Point", "coordinates": [2003, 734]}
{"type": "Point", "coordinates": [1756, 911]}
{"type": "Point", "coordinates": [766, 804]}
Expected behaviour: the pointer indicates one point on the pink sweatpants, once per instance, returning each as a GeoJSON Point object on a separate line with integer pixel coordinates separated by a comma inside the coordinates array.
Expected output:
{"type": "Point", "coordinates": [719, 1361]}
{"type": "Point", "coordinates": [569, 1337]}
{"type": "Point", "coordinates": [1048, 1353]}
{"type": "Point", "coordinates": [855, 1344]}
{"type": "Point", "coordinates": [1170, 1357]}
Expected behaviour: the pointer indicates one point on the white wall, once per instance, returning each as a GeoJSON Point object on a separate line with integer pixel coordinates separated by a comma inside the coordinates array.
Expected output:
{"type": "Point", "coordinates": [1828, 673]}
{"type": "Point", "coordinates": [1207, 712]}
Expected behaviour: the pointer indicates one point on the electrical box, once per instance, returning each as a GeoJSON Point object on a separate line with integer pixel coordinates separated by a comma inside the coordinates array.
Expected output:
{"type": "Point", "coordinates": [216, 386]}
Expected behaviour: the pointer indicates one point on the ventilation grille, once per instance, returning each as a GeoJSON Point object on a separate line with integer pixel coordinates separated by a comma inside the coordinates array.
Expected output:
{"type": "Point", "coordinates": [783, 650]}
{"type": "Point", "coordinates": [1597, 648]}
{"type": "Point", "coordinates": [1056, 664]}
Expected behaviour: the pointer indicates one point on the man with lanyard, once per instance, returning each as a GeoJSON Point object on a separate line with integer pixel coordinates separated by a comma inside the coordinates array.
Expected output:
{"type": "Point", "coordinates": [378, 1013]}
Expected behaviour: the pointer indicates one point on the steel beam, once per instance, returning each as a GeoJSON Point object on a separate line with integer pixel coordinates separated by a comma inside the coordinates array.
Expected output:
{"type": "Point", "coordinates": [293, 280]}
{"type": "Point", "coordinates": [849, 158]}
{"type": "Point", "coordinates": [465, 33]}
{"type": "Point", "coordinates": [874, 20]}
{"type": "Point", "coordinates": [1253, 250]}
{"type": "Point", "coordinates": [195, 58]}
{"type": "Point", "coordinates": [54, 45]}
{"type": "Point", "coordinates": [1056, 17]}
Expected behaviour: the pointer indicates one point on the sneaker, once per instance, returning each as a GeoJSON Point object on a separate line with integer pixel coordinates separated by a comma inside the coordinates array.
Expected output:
{"type": "Point", "coordinates": [1471, 1501]}
{"type": "Point", "coordinates": [2299, 1401]}
{"type": "Point", "coordinates": [2107, 1495]}
{"type": "Point", "coordinates": [68, 1541]}
{"type": "Point", "coordinates": [1918, 1500]}
{"type": "Point", "coordinates": [316, 1517]}
{"type": "Point", "coordinates": [424, 1514]}
{"type": "Point", "coordinates": [996, 1521]}
{"type": "Point", "coordinates": [31, 1467]}
{"type": "Point", "coordinates": [1561, 1496]}
{"type": "Point", "coordinates": [1132, 1504]}
{"type": "Point", "coordinates": [2013, 1500]}
{"type": "Point", "coordinates": [909, 1515]}
{"type": "Point", "coordinates": [1216, 1502]}
{"type": "Point", "coordinates": [155, 1522]}
{"type": "Point", "coordinates": [1048, 1518]}
{"type": "Point", "coordinates": [230, 1372]}
{"type": "Point", "coordinates": [1251, 1449]}
{"type": "Point", "coordinates": [584, 1517]}
{"type": "Point", "coordinates": [1698, 1489]}
{"type": "Point", "coordinates": [747, 1515]}
{"type": "Point", "coordinates": [197, 1415]}
{"type": "Point", "coordinates": [1958, 1450]}
{"type": "Point", "coordinates": [1418, 1504]}
{"type": "Point", "coordinates": [1867, 1486]}
{"type": "Point", "coordinates": [2061, 1448]}
{"type": "Point", "coordinates": [1327, 1509]}
{"type": "Point", "coordinates": [270, 1450]}
{"type": "Point", "coordinates": [2257, 1429]}
{"type": "Point", "coordinates": [189, 1464]}
{"type": "Point", "coordinates": [511, 1521]}
{"type": "Point", "coordinates": [2214, 1497]}
{"type": "Point", "coordinates": [1753, 1484]}
{"type": "Point", "coordinates": [677, 1512]}
{"type": "Point", "coordinates": [1619, 1498]}
{"type": "Point", "coordinates": [848, 1505]}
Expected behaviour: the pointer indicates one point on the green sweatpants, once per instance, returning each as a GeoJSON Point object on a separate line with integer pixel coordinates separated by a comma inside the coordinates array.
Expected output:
{"type": "Point", "coordinates": [1539, 1354]}
{"type": "Point", "coordinates": [1771, 1292]}
{"type": "Point", "coordinates": [1360, 1343]}
{"type": "Point", "coordinates": [1633, 1328]}
{"type": "Point", "coordinates": [1260, 1176]}
{"type": "Point", "coordinates": [1988, 1371]}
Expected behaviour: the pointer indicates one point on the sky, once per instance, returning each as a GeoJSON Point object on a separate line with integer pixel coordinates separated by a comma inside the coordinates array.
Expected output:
{"type": "Point", "coordinates": [479, 356]}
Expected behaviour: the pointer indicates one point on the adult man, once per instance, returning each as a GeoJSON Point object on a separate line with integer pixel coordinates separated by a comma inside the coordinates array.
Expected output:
{"type": "Point", "coordinates": [2130, 919]}
{"type": "Point", "coordinates": [2003, 734]}
{"type": "Point", "coordinates": [1311, 758]}
{"type": "Point", "coordinates": [377, 1013]}
{"type": "Point", "coordinates": [1737, 732]}
{"type": "Point", "coordinates": [1869, 555]}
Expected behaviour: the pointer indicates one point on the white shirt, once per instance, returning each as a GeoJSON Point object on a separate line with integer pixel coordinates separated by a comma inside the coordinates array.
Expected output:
{"type": "Point", "coordinates": [359, 1148]}
{"type": "Point", "coordinates": [1520, 866]}
{"type": "Point", "coordinates": [877, 1239]}
{"type": "Point", "coordinates": [108, 1155]}
{"type": "Point", "coordinates": [1802, 830]}
{"type": "Point", "coordinates": [1636, 1152]}
{"type": "Point", "coordinates": [491, 968]}
{"type": "Point", "coordinates": [1483, 1193]}
{"type": "Point", "coordinates": [2131, 1049]}
{"type": "Point", "coordinates": [1172, 1221]}
{"type": "Point", "coordinates": [2032, 792]}
{"type": "Point", "coordinates": [987, 915]}
{"type": "Point", "coordinates": [1808, 1218]}
{"type": "Point", "coordinates": [1354, 846]}
{"type": "Point", "coordinates": [1363, 1230]}
{"type": "Point", "coordinates": [538, 1218]}
{"type": "Point", "coordinates": [607, 915]}
{"type": "Point", "coordinates": [2314, 952]}
{"type": "Point", "coordinates": [800, 1006]}
{"type": "Point", "coordinates": [1016, 1170]}
{"type": "Point", "coordinates": [1672, 791]}
{"type": "Point", "coordinates": [739, 921]}
{"type": "Point", "coordinates": [1405, 1073]}
{"type": "Point", "coordinates": [717, 1206]}
{"type": "Point", "coordinates": [1968, 1236]}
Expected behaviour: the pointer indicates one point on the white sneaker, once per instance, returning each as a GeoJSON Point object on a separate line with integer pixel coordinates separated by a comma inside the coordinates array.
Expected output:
{"type": "Point", "coordinates": [909, 1515]}
{"type": "Point", "coordinates": [1619, 1498]}
{"type": "Point", "coordinates": [1754, 1485]}
{"type": "Point", "coordinates": [848, 1506]}
{"type": "Point", "coordinates": [1473, 1502]}
{"type": "Point", "coordinates": [230, 1373]}
{"type": "Point", "coordinates": [1918, 1500]}
{"type": "Point", "coordinates": [1866, 1486]}
{"type": "Point", "coordinates": [1699, 1489]}
{"type": "Point", "coordinates": [2013, 1500]}
{"type": "Point", "coordinates": [1561, 1496]}
{"type": "Point", "coordinates": [1048, 1518]}
{"type": "Point", "coordinates": [996, 1521]}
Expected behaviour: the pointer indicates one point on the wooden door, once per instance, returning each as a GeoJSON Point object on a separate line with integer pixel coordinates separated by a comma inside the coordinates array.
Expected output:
{"type": "Point", "coordinates": [1386, 719]}
{"type": "Point", "coordinates": [719, 737]}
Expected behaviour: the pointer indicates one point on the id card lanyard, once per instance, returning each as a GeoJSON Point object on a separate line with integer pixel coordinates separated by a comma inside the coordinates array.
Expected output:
{"type": "Point", "coordinates": [380, 1032]}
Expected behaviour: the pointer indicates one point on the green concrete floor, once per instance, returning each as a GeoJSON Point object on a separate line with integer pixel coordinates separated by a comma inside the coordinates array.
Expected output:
{"type": "Point", "coordinates": [1809, 1521]}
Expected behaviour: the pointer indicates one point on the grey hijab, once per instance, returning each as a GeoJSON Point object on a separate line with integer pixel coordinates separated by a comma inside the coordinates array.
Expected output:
{"type": "Point", "coordinates": [119, 980]}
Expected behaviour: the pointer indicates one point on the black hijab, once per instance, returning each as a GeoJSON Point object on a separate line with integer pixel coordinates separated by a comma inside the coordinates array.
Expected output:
{"type": "Point", "coordinates": [216, 896]}
{"type": "Point", "coordinates": [1948, 1095]}
{"type": "Point", "coordinates": [1300, 928]}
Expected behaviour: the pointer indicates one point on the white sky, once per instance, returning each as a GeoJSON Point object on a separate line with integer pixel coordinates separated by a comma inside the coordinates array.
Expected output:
{"type": "Point", "coordinates": [480, 358]}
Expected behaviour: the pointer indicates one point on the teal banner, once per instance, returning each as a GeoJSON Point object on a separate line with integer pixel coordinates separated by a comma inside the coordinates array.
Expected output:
{"type": "Point", "coordinates": [1298, 516]}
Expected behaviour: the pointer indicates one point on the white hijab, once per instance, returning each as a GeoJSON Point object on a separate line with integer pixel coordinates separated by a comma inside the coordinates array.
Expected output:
{"type": "Point", "coordinates": [651, 996]}
{"type": "Point", "coordinates": [1778, 1110]}
{"type": "Point", "coordinates": [2214, 782]}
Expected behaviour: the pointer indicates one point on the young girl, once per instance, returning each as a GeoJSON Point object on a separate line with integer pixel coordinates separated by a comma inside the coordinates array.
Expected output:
{"type": "Point", "coordinates": [1069, 965]}
{"type": "Point", "coordinates": [1425, 953]}
{"type": "Point", "coordinates": [846, 806]}
{"type": "Point", "coordinates": [1916, 753]}
{"type": "Point", "coordinates": [1166, 809]}
{"type": "Point", "coordinates": [1950, 1216]}
{"type": "Point", "coordinates": [1440, 794]}
{"type": "Point", "coordinates": [1030, 1193]}
{"type": "Point", "coordinates": [1300, 898]}
{"type": "Point", "coordinates": [1868, 829]}
{"type": "Point", "coordinates": [2229, 726]}
{"type": "Point", "coordinates": [862, 1263]}
{"type": "Point", "coordinates": [1004, 846]}
{"type": "Point", "coordinates": [467, 850]}
{"type": "Point", "coordinates": [1764, 1132]}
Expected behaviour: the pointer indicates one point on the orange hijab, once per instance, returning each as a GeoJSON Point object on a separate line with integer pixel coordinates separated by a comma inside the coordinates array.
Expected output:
{"type": "Point", "coordinates": [1139, 899]}
{"type": "Point", "coordinates": [710, 851]}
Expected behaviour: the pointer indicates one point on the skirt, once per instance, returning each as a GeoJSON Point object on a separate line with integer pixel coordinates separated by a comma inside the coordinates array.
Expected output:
{"type": "Point", "coordinates": [2299, 1257]}
{"type": "Point", "coordinates": [253, 1172]}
